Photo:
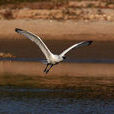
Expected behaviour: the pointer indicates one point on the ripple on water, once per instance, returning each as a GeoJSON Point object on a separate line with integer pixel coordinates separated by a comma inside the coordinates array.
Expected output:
{"type": "Point", "coordinates": [32, 101]}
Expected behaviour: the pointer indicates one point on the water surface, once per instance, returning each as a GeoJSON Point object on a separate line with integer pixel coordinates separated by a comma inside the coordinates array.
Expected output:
{"type": "Point", "coordinates": [51, 101]}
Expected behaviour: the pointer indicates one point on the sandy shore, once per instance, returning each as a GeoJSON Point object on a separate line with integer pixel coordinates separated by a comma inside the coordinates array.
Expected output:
{"type": "Point", "coordinates": [59, 30]}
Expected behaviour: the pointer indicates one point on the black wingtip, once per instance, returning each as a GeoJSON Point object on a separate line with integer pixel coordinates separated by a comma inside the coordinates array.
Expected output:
{"type": "Point", "coordinates": [89, 42]}
{"type": "Point", "coordinates": [17, 29]}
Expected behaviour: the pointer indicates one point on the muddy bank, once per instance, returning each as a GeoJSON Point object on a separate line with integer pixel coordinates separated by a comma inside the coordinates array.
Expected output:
{"type": "Point", "coordinates": [59, 30]}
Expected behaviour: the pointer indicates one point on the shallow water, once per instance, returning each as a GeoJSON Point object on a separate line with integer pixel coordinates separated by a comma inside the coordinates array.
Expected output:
{"type": "Point", "coordinates": [16, 100]}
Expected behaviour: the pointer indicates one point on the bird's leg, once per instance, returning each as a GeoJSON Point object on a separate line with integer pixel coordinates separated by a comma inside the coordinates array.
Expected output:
{"type": "Point", "coordinates": [49, 68]}
{"type": "Point", "coordinates": [46, 67]}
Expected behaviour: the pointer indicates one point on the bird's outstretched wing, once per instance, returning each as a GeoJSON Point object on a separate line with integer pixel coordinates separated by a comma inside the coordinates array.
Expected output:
{"type": "Point", "coordinates": [84, 43]}
{"type": "Point", "coordinates": [37, 40]}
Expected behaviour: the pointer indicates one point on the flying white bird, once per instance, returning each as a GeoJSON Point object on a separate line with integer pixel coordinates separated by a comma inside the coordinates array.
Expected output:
{"type": "Point", "coordinates": [51, 59]}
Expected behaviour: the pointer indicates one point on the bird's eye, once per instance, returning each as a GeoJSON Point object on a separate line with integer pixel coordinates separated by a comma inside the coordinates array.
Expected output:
{"type": "Point", "coordinates": [64, 57]}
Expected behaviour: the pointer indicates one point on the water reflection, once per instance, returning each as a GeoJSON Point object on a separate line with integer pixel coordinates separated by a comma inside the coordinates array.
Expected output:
{"type": "Point", "coordinates": [18, 100]}
{"type": "Point", "coordinates": [55, 106]}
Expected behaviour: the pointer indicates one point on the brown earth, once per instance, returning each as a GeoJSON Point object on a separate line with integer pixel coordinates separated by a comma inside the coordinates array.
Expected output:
{"type": "Point", "coordinates": [59, 30]}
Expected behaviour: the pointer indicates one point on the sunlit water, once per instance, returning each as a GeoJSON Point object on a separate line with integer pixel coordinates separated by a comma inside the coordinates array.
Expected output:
{"type": "Point", "coordinates": [46, 101]}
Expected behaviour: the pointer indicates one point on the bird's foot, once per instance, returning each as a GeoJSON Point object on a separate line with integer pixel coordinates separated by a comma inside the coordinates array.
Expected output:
{"type": "Point", "coordinates": [46, 67]}
{"type": "Point", "coordinates": [44, 70]}
{"type": "Point", "coordinates": [47, 71]}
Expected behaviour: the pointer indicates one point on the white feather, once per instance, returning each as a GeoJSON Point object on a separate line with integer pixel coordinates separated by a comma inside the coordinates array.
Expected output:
{"type": "Point", "coordinates": [84, 43]}
{"type": "Point", "coordinates": [37, 40]}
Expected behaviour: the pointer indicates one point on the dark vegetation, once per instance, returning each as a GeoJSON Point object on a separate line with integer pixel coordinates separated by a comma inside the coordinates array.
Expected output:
{"type": "Point", "coordinates": [21, 1]}
{"type": "Point", "coordinates": [54, 1]}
